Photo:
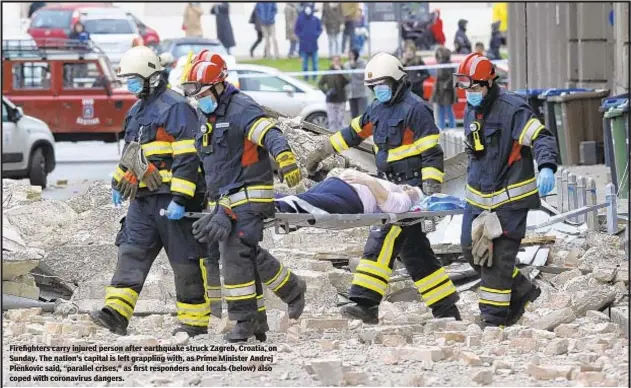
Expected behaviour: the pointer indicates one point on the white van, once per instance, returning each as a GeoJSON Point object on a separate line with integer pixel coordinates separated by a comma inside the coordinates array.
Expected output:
{"type": "Point", "coordinates": [28, 146]}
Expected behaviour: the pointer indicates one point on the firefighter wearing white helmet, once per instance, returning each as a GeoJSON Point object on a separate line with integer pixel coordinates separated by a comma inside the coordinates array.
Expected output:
{"type": "Point", "coordinates": [159, 169]}
{"type": "Point", "coordinates": [407, 151]}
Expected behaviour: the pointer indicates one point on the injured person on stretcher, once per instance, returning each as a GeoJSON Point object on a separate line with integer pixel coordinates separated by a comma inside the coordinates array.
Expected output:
{"type": "Point", "coordinates": [354, 192]}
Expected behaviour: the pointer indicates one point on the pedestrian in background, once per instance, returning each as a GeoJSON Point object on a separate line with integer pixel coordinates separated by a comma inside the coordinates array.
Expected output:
{"type": "Point", "coordinates": [308, 29]}
{"type": "Point", "coordinates": [267, 15]}
{"type": "Point", "coordinates": [479, 48]}
{"type": "Point", "coordinates": [360, 34]}
{"type": "Point", "coordinates": [355, 90]}
{"type": "Point", "coordinates": [291, 16]}
{"type": "Point", "coordinates": [192, 24]}
{"type": "Point", "coordinates": [462, 44]}
{"type": "Point", "coordinates": [437, 28]}
{"type": "Point", "coordinates": [334, 86]}
{"type": "Point", "coordinates": [333, 19]}
{"type": "Point", "coordinates": [444, 93]}
{"type": "Point", "coordinates": [79, 33]}
{"type": "Point", "coordinates": [497, 40]}
{"type": "Point", "coordinates": [416, 77]}
{"type": "Point", "coordinates": [349, 11]}
{"type": "Point", "coordinates": [254, 19]}
{"type": "Point", "coordinates": [34, 7]}
{"type": "Point", "coordinates": [224, 27]}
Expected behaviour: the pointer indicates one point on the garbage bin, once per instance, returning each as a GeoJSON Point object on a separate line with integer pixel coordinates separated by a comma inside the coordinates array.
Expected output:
{"type": "Point", "coordinates": [549, 116]}
{"type": "Point", "coordinates": [577, 119]}
{"type": "Point", "coordinates": [532, 96]}
{"type": "Point", "coordinates": [618, 117]}
{"type": "Point", "coordinates": [607, 104]}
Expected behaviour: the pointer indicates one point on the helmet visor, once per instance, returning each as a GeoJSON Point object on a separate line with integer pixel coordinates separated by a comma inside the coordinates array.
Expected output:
{"type": "Point", "coordinates": [462, 81]}
{"type": "Point", "coordinates": [194, 88]}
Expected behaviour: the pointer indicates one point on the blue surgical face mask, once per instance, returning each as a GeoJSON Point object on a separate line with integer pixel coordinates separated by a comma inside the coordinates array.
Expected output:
{"type": "Point", "coordinates": [474, 98]}
{"type": "Point", "coordinates": [383, 93]}
{"type": "Point", "coordinates": [135, 85]}
{"type": "Point", "coordinates": [207, 104]}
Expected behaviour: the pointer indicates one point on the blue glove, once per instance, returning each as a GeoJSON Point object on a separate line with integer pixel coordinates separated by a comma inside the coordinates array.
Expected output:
{"type": "Point", "coordinates": [545, 181]}
{"type": "Point", "coordinates": [117, 199]}
{"type": "Point", "coordinates": [175, 211]}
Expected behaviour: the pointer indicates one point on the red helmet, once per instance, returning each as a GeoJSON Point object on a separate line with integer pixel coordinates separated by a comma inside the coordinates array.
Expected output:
{"type": "Point", "coordinates": [474, 69]}
{"type": "Point", "coordinates": [208, 69]}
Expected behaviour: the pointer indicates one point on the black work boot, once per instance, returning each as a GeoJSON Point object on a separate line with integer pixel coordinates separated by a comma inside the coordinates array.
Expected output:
{"type": "Point", "coordinates": [296, 306]}
{"type": "Point", "coordinates": [111, 320]}
{"type": "Point", "coordinates": [241, 332]}
{"type": "Point", "coordinates": [450, 312]}
{"type": "Point", "coordinates": [261, 327]}
{"type": "Point", "coordinates": [518, 308]}
{"type": "Point", "coordinates": [192, 331]}
{"type": "Point", "coordinates": [368, 314]}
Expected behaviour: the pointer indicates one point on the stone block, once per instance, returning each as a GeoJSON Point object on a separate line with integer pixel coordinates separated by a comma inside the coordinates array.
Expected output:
{"type": "Point", "coordinates": [21, 289]}
{"type": "Point", "coordinates": [483, 377]}
{"type": "Point", "coordinates": [328, 371]}
{"type": "Point", "coordinates": [469, 358]}
{"type": "Point", "coordinates": [541, 372]}
{"type": "Point", "coordinates": [324, 324]}
{"type": "Point", "coordinates": [555, 318]}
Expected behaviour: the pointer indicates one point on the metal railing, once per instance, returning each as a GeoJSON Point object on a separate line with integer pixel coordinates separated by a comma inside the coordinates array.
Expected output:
{"type": "Point", "coordinates": [45, 47]}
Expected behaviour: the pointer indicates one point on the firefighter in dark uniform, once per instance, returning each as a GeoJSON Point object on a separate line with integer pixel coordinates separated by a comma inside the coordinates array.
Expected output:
{"type": "Point", "coordinates": [502, 135]}
{"type": "Point", "coordinates": [407, 152]}
{"type": "Point", "coordinates": [161, 126]}
{"type": "Point", "coordinates": [234, 139]}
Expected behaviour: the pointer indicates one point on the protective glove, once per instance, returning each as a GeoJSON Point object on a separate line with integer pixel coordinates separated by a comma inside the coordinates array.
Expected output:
{"type": "Point", "coordinates": [175, 211]}
{"type": "Point", "coordinates": [134, 160]}
{"type": "Point", "coordinates": [289, 170]}
{"type": "Point", "coordinates": [545, 181]}
{"type": "Point", "coordinates": [431, 186]}
{"type": "Point", "coordinates": [117, 200]}
{"type": "Point", "coordinates": [324, 150]}
{"type": "Point", "coordinates": [215, 226]}
{"type": "Point", "coordinates": [152, 177]}
{"type": "Point", "coordinates": [485, 228]}
{"type": "Point", "coordinates": [128, 186]}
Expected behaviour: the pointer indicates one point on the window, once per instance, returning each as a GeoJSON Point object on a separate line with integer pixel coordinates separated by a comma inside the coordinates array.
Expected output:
{"type": "Point", "coordinates": [109, 26]}
{"type": "Point", "coordinates": [52, 18]}
{"type": "Point", "coordinates": [31, 75]}
{"type": "Point", "coordinates": [5, 113]}
{"type": "Point", "coordinates": [261, 83]}
{"type": "Point", "coordinates": [82, 75]}
{"type": "Point", "coordinates": [182, 50]}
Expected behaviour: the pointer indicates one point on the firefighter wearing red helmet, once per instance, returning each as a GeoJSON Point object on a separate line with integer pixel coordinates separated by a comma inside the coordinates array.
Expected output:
{"type": "Point", "coordinates": [234, 140]}
{"type": "Point", "coordinates": [159, 169]}
{"type": "Point", "coordinates": [407, 151]}
{"type": "Point", "coordinates": [503, 137]}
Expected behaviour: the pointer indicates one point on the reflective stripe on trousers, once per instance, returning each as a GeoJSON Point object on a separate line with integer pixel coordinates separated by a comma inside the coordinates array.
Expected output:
{"type": "Point", "coordinates": [435, 287]}
{"type": "Point", "coordinates": [510, 194]}
{"type": "Point", "coordinates": [123, 300]}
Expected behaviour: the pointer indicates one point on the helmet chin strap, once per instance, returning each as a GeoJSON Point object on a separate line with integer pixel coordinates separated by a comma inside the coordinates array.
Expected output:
{"type": "Point", "coordinates": [150, 85]}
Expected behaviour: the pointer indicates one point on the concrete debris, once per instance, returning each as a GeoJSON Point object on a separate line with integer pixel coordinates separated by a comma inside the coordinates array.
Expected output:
{"type": "Point", "coordinates": [576, 328]}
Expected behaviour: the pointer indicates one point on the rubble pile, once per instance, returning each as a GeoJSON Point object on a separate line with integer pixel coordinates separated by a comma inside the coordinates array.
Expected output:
{"type": "Point", "coordinates": [574, 334]}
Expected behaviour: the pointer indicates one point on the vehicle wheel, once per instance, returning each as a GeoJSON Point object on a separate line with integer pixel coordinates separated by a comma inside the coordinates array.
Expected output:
{"type": "Point", "coordinates": [319, 119]}
{"type": "Point", "coordinates": [37, 171]}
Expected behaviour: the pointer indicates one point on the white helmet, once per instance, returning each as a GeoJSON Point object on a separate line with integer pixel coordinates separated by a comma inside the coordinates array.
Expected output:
{"type": "Point", "coordinates": [383, 66]}
{"type": "Point", "coordinates": [166, 58]}
{"type": "Point", "coordinates": [139, 60]}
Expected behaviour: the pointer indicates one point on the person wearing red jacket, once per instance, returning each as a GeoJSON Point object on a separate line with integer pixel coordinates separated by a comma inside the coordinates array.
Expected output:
{"type": "Point", "coordinates": [437, 28]}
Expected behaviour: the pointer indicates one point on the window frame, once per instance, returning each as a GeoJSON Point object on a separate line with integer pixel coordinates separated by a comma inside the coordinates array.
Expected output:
{"type": "Point", "coordinates": [32, 64]}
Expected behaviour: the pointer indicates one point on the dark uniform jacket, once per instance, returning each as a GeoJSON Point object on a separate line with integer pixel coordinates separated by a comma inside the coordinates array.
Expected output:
{"type": "Point", "coordinates": [165, 124]}
{"type": "Point", "coordinates": [233, 143]}
{"type": "Point", "coordinates": [503, 175]}
{"type": "Point", "coordinates": [405, 136]}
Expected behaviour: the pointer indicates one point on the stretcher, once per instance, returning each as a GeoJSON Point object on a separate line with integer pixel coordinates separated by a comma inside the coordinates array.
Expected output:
{"type": "Point", "coordinates": [284, 223]}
